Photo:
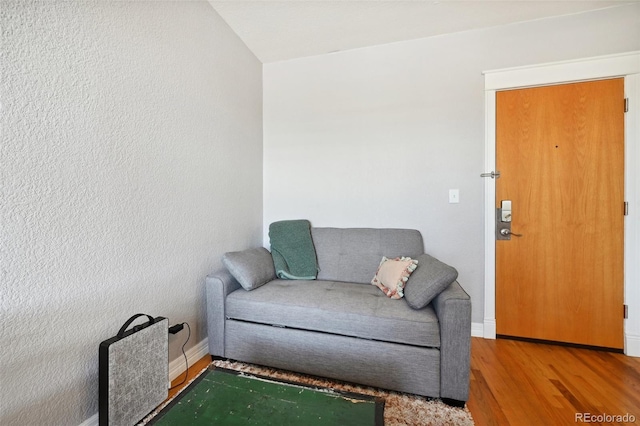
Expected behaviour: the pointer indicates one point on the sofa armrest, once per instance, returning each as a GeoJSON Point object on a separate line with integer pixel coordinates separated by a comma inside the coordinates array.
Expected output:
{"type": "Point", "coordinates": [453, 308]}
{"type": "Point", "coordinates": [217, 287]}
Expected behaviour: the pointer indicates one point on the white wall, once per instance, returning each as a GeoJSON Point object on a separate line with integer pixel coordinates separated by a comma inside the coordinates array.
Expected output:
{"type": "Point", "coordinates": [131, 159]}
{"type": "Point", "coordinates": [376, 137]}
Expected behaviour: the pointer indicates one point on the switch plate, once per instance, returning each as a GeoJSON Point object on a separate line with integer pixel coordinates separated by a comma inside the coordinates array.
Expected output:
{"type": "Point", "coordinates": [454, 196]}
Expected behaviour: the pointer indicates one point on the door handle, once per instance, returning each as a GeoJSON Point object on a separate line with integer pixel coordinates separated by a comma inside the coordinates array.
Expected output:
{"type": "Point", "coordinates": [506, 232]}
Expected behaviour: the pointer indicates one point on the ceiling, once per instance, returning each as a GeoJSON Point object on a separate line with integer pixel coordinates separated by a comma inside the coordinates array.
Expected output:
{"type": "Point", "coordinates": [282, 30]}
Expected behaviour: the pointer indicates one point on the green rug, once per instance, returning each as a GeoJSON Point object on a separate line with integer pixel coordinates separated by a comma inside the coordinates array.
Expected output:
{"type": "Point", "coordinates": [226, 397]}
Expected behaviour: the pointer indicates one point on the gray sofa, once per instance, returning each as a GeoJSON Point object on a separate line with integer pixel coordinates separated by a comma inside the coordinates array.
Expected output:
{"type": "Point", "coordinates": [342, 327]}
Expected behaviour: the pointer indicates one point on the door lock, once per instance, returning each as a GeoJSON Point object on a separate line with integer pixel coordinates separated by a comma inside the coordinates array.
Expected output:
{"type": "Point", "coordinates": [505, 208]}
{"type": "Point", "coordinates": [503, 221]}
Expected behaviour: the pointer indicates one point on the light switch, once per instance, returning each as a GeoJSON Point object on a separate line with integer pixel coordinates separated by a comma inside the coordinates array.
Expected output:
{"type": "Point", "coordinates": [454, 196]}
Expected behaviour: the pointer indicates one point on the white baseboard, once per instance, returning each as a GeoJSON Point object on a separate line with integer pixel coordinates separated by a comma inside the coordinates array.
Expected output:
{"type": "Point", "coordinates": [632, 345]}
{"type": "Point", "coordinates": [477, 329]}
{"type": "Point", "coordinates": [489, 329]}
{"type": "Point", "coordinates": [176, 367]}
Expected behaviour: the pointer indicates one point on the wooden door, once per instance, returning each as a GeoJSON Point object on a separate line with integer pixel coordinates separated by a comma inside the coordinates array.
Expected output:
{"type": "Point", "coordinates": [560, 151]}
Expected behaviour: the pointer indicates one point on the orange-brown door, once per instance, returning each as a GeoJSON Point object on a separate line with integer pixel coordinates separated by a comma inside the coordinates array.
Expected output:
{"type": "Point", "coordinates": [560, 152]}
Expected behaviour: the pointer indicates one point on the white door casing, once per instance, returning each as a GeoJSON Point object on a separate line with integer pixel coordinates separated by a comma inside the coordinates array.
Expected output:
{"type": "Point", "coordinates": [625, 65]}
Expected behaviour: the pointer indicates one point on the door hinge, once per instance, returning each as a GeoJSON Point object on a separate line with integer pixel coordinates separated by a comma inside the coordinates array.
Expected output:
{"type": "Point", "coordinates": [626, 104]}
{"type": "Point", "coordinates": [626, 311]}
{"type": "Point", "coordinates": [626, 208]}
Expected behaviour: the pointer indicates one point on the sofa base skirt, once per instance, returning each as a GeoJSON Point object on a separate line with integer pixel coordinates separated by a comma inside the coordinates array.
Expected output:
{"type": "Point", "coordinates": [403, 368]}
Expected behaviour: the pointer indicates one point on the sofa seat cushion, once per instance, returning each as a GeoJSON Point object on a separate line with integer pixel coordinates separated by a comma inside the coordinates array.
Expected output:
{"type": "Point", "coordinates": [349, 309]}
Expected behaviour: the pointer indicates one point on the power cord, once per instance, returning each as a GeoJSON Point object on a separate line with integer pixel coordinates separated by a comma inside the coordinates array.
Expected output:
{"type": "Point", "coordinates": [173, 330]}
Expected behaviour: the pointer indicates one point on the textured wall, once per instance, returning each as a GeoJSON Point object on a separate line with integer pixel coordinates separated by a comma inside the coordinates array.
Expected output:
{"type": "Point", "coordinates": [377, 136]}
{"type": "Point", "coordinates": [131, 159]}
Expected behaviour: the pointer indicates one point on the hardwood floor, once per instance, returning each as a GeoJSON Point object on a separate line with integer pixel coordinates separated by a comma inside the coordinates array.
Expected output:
{"type": "Point", "coordinates": [194, 370]}
{"type": "Point", "coordinates": [521, 383]}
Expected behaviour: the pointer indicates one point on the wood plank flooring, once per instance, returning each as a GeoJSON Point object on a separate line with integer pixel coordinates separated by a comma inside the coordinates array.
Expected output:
{"type": "Point", "coordinates": [193, 372]}
{"type": "Point", "coordinates": [521, 383]}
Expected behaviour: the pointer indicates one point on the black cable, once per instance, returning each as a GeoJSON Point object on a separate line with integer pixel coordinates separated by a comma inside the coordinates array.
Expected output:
{"type": "Point", "coordinates": [186, 372]}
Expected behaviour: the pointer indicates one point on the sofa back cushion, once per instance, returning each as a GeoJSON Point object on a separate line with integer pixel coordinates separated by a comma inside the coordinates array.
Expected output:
{"type": "Point", "coordinates": [353, 254]}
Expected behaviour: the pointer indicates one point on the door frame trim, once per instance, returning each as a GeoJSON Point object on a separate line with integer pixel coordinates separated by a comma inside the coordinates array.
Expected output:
{"type": "Point", "coordinates": [625, 65]}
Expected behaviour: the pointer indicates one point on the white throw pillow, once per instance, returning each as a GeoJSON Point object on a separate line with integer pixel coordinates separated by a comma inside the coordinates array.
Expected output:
{"type": "Point", "coordinates": [392, 274]}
